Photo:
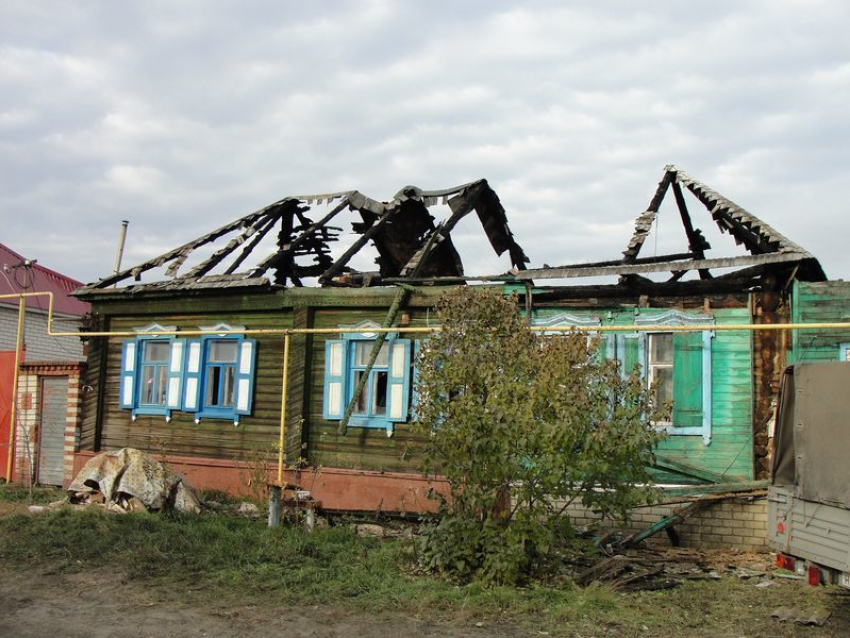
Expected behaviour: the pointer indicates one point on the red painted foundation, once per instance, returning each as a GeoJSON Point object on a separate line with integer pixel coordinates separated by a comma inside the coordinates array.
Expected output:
{"type": "Point", "coordinates": [337, 489]}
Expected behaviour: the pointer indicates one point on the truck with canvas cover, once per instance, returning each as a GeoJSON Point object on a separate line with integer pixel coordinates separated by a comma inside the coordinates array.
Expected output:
{"type": "Point", "coordinates": [809, 497]}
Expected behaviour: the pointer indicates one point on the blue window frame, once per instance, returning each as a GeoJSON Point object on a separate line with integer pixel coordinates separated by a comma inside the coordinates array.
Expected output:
{"type": "Point", "coordinates": [220, 359]}
{"type": "Point", "coordinates": [372, 405]}
{"type": "Point", "coordinates": [385, 400]}
{"type": "Point", "coordinates": [154, 357]}
{"type": "Point", "coordinates": [151, 372]}
{"type": "Point", "coordinates": [212, 376]}
{"type": "Point", "coordinates": [219, 377]}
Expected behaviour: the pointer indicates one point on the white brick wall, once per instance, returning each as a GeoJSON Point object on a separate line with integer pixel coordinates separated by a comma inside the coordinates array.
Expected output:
{"type": "Point", "coordinates": [734, 524]}
{"type": "Point", "coordinates": [39, 345]}
{"type": "Point", "coordinates": [29, 406]}
{"type": "Point", "coordinates": [25, 446]}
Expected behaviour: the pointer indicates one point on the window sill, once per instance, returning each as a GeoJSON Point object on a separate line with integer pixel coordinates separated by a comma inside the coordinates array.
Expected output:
{"type": "Point", "coordinates": [215, 415]}
{"type": "Point", "coordinates": [151, 411]}
{"type": "Point", "coordinates": [372, 423]}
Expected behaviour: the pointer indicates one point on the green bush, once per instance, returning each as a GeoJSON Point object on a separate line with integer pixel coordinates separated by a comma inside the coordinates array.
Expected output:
{"type": "Point", "coordinates": [521, 425]}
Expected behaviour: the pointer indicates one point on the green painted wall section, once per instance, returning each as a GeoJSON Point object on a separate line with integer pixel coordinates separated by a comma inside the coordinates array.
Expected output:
{"type": "Point", "coordinates": [821, 302]}
{"type": "Point", "coordinates": [731, 448]}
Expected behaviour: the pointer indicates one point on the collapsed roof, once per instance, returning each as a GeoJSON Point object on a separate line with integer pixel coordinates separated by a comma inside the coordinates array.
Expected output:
{"type": "Point", "coordinates": [408, 242]}
{"type": "Point", "coordinates": [412, 248]}
{"type": "Point", "coordinates": [765, 245]}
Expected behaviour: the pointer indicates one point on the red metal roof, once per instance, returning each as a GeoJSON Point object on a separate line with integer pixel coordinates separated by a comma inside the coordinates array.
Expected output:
{"type": "Point", "coordinates": [14, 280]}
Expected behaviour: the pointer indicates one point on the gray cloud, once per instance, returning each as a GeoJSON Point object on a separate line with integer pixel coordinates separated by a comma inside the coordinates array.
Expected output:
{"type": "Point", "coordinates": [182, 116]}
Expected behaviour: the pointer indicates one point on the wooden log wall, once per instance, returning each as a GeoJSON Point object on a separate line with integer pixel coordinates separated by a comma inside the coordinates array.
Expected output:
{"type": "Point", "coordinates": [309, 436]}
{"type": "Point", "coordinates": [256, 436]}
{"type": "Point", "coordinates": [770, 354]}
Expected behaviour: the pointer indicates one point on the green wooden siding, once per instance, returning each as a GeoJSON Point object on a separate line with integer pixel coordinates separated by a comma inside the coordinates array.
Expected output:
{"type": "Point", "coordinates": [731, 448]}
{"type": "Point", "coordinates": [821, 302]}
{"type": "Point", "coordinates": [256, 435]}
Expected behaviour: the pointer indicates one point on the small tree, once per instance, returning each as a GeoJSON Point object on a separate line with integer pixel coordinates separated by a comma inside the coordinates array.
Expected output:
{"type": "Point", "coordinates": [522, 425]}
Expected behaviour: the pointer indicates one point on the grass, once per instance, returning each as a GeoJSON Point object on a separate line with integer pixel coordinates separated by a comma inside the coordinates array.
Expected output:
{"type": "Point", "coordinates": [241, 560]}
{"type": "Point", "coordinates": [13, 493]}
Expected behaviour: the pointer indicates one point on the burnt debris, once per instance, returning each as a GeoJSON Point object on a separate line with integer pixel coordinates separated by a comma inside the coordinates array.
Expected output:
{"type": "Point", "coordinates": [413, 248]}
{"type": "Point", "coordinates": [402, 230]}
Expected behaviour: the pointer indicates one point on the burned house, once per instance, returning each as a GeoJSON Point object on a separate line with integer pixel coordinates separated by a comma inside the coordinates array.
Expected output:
{"type": "Point", "coordinates": [191, 362]}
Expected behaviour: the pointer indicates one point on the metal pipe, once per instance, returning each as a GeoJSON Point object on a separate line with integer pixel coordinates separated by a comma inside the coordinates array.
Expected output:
{"type": "Point", "coordinates": [281, 451]}
{"type": "Point", "coordinates": [752, 327]}
{"type": "Point", "coordinates": [121, 239]}
{"type": "Point", "coordinates": [13, 412]}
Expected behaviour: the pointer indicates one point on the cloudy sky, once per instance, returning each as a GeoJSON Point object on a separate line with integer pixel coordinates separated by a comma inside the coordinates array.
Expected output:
{"type": "Point", "coordinates": [180, 116]}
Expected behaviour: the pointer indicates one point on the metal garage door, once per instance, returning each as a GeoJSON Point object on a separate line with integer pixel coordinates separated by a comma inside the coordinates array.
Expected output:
{"type": "Point", "coordinates": [54, 406]}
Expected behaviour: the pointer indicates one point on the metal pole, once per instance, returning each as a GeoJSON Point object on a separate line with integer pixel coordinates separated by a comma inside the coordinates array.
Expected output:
{"type": "Point", "coordinates": [13, 413]}
{"type": "Point", "coordinates": [280, 452]}
{"type": "Point", "coordinates": [121, 239]}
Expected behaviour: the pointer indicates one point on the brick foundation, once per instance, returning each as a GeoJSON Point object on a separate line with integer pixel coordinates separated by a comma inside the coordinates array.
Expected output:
{"type": "Point", "coordinates": [338, 489]}
{"type": "Point", "coordinates": [734, 524]}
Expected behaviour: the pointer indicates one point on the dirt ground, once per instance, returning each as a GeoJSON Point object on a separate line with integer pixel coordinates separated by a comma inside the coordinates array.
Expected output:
{"type": "Point", "coordinates": [99, 605]}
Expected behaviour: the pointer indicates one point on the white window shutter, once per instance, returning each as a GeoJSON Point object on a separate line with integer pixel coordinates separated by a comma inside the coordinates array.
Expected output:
{"type": "Point", "coordinates": [192, 376]}
{"type": "Point", "coordinates": [174, 391]}
{"type": "Point", "coordinates": [399, 380]}
{"type": "Point", "coordinates": [245, 375]}
{"type": "Point", "coordinates": [128, 374]}
{"type": "Point", "coordinates": [333, 403]}
{"type": "Point", "coordinates": [414, 380]}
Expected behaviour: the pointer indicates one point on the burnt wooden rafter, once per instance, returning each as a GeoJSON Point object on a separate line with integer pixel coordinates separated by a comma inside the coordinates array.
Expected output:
{"type": "Point", "coordinates": [217, 257]}
{"type": "Point", "coordinates": [741, 224]}
{"type": "Point", "coordinates": [746, 229]}
{"type": "Point", "coordinates": [136, 271]}
{"type": "Point", "coordinates": [402, 230]}
{"type": "Point", "coordinates": [644, 221]}
{"type": "Point", "coordinates": [697, 244]}
{"type": "Point", "coordinates": [262, 231]}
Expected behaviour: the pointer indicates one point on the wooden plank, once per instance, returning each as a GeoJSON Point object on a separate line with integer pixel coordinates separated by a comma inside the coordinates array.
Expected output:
{"type": "Point", "coordinates": [673, 465]}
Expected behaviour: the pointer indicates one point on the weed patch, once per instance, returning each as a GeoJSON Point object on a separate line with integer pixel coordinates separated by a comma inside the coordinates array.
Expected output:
{"type": "Point", "coordinates": [12, 493]}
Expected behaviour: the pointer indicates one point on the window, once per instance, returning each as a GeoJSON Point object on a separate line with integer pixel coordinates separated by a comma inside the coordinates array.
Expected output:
{"type": "Point", "coordinates": [844, 352]}
{"type": "Point", "coordinates": [677, 366]}
{"type": "Point", "coordinates": [372, 402]}
{"type": "Point", "coordinates": [212, 377]}
{"type": "Point", "coordinates": [154, 373]}
{"type": "Point", "coordinates": [385, 399]}
{"type": "Point", "coordinates": [151, 368]}
{"type": "Point", "coordinates": [660, 367]}
{"type": "Point", "coordinates": [220, 374]}
{"type": "Point", "coordinates": [219, 379]}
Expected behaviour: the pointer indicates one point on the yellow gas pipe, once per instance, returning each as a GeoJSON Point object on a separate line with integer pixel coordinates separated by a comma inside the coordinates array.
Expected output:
{"type": "Point", "coordinates": [13, 411]}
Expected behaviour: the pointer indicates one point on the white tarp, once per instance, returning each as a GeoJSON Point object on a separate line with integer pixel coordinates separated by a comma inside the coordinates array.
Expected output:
{"type": "Point", "coordinates": [127, 474]}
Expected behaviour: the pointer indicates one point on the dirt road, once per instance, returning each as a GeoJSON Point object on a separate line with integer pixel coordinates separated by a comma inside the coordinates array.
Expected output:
{"type": "Point", "coordinates": [99, 605]}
